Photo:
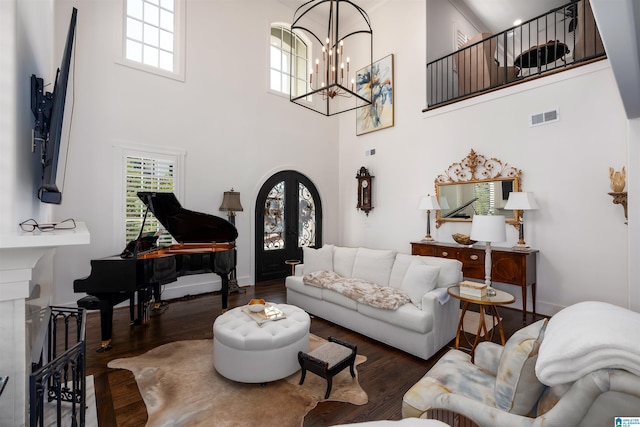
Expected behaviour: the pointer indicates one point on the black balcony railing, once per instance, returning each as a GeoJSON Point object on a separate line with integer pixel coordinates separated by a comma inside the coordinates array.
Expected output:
{"type": "Point", "coordinates": [57, 384]}
{"type": "Point", "coordinates": [561, 38]}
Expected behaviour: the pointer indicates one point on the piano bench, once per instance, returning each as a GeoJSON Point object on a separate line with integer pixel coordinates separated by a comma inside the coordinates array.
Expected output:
{"type": "Point", "coordinates": [89, 302]}
{"type": "Point", "coordinates": [328, 360]}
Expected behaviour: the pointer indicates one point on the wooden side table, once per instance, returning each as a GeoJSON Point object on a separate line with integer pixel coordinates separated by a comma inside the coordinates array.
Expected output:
{"type": "Point", "coordinates": [292, 263]}
{"type": "Point", "coordinates": [486, 302]}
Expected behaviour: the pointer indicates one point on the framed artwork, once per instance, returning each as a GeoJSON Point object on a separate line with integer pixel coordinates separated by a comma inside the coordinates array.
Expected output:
{"type": "Point", "coordinates": [379, 79]}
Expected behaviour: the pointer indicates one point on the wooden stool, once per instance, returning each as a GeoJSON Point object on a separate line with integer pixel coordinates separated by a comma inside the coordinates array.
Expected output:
{"type": "Point", "coordinates": [328, 360]}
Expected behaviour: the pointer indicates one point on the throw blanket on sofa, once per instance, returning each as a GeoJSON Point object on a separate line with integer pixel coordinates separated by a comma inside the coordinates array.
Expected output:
{"type": "Point", "coordinates": [363, 291]}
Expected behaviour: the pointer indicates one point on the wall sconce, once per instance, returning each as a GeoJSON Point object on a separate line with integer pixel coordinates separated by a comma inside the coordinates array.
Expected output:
{"type": "Point", "coordinates": [489, 229]}
{"type": "Point", "coordinates": [617, 185]}
{"type": "Point", "coordinates": [428, 203]}
{"type": "Point", "coordinates": [521, 201]}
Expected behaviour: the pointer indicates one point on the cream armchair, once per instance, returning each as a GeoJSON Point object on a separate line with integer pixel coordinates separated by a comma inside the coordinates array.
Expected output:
{"type": "Point", "coordinates": [582, 369]}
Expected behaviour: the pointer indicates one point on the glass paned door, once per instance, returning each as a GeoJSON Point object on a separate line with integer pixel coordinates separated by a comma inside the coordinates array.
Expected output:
{"type": "Point", "coordinates": [289, 215]}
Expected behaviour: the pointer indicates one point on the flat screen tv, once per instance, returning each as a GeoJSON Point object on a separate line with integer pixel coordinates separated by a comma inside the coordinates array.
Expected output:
{"type": "Point", "coordinates": [48, 109]}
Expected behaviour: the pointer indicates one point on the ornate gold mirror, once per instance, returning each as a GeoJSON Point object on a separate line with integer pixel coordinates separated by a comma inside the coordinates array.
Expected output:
{"type": "Point", "coordinates": [476, 185]}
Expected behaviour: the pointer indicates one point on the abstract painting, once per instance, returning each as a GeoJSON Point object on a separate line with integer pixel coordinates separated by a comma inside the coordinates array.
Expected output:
{"type": "Point", "coordinates": [379, 79]}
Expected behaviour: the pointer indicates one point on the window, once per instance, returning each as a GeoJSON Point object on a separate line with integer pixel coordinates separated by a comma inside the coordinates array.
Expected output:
{"type": "Point", "coordinates": [147, 171]}
{"type": "Point", "coordinates": [153, 38]}
{"type": "Point", "coordinates": [282, 42]}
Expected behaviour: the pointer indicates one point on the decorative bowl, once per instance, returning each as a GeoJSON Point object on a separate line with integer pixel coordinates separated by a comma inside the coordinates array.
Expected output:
{"type": "Point", "coordinates": [257, 301]}
{"type": "Point", "coordinates": [256, 308]}
{"type": "Point", "coordinates": [463, 239]}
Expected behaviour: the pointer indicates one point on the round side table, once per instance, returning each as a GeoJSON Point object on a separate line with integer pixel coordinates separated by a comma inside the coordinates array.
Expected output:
{"type": "Point", "coordinates": [292, 263]}
{"type": "Point", "coordinates": [486, 302]}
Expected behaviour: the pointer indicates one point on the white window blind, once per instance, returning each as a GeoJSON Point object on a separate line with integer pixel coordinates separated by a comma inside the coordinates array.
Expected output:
{"type": "Point", "coordinates": [146, 174]}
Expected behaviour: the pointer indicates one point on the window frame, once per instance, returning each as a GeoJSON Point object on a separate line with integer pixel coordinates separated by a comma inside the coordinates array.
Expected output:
{"type": "Point", "coordinates": [179, 43]}
{"type": "Point", "coordinates": [303, 39]}
{"type": "Point", "coordinates": [121, 153]}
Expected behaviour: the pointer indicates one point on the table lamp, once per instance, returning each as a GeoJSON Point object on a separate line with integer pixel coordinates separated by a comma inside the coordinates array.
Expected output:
{"type": "Point", "coordinates": [521, 201]}
{"type": "Point", "coordinates": [489, 229]}
{"type": "Point", "coordinates": [428, 203]}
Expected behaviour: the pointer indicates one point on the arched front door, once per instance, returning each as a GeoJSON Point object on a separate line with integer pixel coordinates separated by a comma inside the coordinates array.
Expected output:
{"type": "Point", "coordinates": [288, 217]}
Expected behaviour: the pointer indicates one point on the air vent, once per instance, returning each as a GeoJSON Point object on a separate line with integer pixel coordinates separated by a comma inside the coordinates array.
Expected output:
{"type": "Point", "coordinates": [544, 118]}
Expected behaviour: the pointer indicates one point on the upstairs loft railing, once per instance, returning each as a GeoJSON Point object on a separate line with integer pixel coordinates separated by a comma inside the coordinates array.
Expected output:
{"type": "Point", "coordinates": [559, 39]}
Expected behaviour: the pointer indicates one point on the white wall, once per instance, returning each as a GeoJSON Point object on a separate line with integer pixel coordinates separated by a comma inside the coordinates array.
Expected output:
{"type": "Point", "coordinates": [236, 134]}
{"type": "Point", "coordinates": [581, 235]}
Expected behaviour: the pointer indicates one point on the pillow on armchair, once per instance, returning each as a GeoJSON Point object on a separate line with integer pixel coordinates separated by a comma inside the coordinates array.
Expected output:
{"type": "Point", "coordinates": [517, 387]}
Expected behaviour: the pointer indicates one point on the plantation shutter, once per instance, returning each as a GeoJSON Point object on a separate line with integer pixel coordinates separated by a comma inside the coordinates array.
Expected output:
{"type": "Point", "coordinates": [147, 174]}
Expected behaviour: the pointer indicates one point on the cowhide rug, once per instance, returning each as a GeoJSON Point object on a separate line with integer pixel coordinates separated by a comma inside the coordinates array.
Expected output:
{"type": "Point", "coordinates": [180, 387]}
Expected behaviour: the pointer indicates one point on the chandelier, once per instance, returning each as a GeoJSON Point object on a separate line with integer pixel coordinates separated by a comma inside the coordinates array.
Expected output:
{"type": "Point", "coordinates": [322, 75]}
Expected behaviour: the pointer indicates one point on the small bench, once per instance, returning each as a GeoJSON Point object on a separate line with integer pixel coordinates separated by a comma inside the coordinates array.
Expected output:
{"type": "Point", "coordinates": [328, 360]}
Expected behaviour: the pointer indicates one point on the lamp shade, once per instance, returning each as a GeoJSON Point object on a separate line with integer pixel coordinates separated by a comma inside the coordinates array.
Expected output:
{"type": "Point", "coordinates": [231, 201]}
{"type": "Point", "coordinates": [520, 200]}
{"type": "Point", "coordinates": [428, 203]}
{"type": "Point", "coordinates": [488, 228]}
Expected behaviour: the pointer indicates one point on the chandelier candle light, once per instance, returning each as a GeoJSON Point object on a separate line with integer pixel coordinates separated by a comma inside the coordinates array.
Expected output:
{"type": "Point", "coordinates": [428, 203]}
{"type": "Point", "coordinates": [329, 87]}
{"type": "Point", "coordinates": [521, 201]}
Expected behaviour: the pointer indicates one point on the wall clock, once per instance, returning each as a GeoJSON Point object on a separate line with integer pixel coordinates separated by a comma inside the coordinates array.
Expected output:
{"type": "Point", "coordinates": [365, 182]}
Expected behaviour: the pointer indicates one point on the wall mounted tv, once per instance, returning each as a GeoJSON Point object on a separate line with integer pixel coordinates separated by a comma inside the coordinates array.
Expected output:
{"type": "Point", "coordinates": [48, 109]}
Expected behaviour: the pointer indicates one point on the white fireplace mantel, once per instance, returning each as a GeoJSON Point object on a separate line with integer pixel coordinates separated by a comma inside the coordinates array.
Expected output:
{"type": "Point", "coordinates": [19, 254]}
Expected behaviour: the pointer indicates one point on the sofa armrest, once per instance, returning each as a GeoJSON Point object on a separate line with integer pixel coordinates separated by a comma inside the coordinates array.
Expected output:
{"type": "Point", "coordinates": [487, 356]}
{"type": "Point", "coordinates": [299, 270]}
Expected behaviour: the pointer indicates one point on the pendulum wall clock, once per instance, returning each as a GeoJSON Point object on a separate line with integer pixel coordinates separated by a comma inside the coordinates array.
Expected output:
{"type": "Point", "coordinates": [365, 182]}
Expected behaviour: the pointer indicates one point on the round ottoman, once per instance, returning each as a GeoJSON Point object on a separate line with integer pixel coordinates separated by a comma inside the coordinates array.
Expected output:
{"type": "Point", "coordinates": [246, 352]}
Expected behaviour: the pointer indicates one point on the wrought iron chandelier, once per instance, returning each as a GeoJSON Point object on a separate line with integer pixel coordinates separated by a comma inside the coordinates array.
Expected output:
{"type": "Point", "coordinates": [329, 85]}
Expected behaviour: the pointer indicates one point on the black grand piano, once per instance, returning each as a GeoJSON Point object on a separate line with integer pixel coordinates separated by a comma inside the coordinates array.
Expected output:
{"type": "Point", "coordinates": [204, 246]}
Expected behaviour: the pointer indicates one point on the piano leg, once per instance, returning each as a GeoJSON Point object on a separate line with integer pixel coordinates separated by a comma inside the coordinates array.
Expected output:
{"type": "Point", "coordinates": [106, 325]}
{"type": "Point", "coordinates": [224, 292]}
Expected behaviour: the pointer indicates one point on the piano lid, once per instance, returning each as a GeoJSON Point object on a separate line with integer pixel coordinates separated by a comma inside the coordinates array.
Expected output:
{"type": "Point", "coordinates": [184, 225]}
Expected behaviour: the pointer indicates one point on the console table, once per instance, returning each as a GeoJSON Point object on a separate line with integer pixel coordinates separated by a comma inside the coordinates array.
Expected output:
{"type": "Point", "coordinates": [511, 266]}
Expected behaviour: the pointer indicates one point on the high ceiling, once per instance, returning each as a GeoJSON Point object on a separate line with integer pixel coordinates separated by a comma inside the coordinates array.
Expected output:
{"type": "Point", "coordinates": [498, 15]}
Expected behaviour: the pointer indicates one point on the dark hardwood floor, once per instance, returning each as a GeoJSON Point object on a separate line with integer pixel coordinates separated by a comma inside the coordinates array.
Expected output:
{"type": "Point", "coordinates": [385, 376]}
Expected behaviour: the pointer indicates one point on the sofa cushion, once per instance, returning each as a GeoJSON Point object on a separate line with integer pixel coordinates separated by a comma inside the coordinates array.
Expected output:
{"type": "Point", "coordinates": [450, 270]}
{"type": "Point", "coordinates": [373, 265]}
{"type": "Point", "coordinates": [317, 259]}
{"type": "Point", "coordinates": [343, 259]}
{"type": "Point", "coordinates": [517, 387]}
{"type": "Point", "coordinates": [418, 280]}
{"type": "Point", "coordinates": [408, 317]}
{"type": "Point", "coordinates": [339, 299]}
{"type": "Point", "coordinates": [399, 269]}
{"type": "Point", "coordinates": [296, 283]}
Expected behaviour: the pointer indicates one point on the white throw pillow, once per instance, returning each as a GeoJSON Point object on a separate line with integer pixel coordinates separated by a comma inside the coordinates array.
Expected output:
{"type": "Point", "coordinates": [373, 265]}
{"type": "Point", "coordinates": [343, 259]}
{"type": "Point", "coordinates": [419, 279]}
{"type": "Point", "coordinates": [317, 259]}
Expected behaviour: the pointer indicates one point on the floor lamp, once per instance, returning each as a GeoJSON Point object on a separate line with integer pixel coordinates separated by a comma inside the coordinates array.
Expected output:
{"type": "Point", "coordinates": [521, 201]}
{"type": "Point", "coordinates": [428, 203]}
{"type": "Point", "coordinates": [489, 229]}
{"type": "Point", "coordinates": [231, 204]}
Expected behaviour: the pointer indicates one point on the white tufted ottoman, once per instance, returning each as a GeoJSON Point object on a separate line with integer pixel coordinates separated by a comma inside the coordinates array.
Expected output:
{"type": "Point", "coordinates": [246, 352]}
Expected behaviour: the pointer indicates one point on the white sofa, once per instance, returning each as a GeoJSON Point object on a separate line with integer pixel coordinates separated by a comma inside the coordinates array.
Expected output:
{"type": "Point", "coordinates": [421, 326]}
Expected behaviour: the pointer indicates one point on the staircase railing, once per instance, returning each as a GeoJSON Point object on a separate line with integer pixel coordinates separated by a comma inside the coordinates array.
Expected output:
{"type": "Point", "coordinates": [57, 384]}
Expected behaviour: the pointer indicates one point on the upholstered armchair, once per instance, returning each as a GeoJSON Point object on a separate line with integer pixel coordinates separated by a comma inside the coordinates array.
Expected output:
{"type": "Point", "coordinates": [581, 369]}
